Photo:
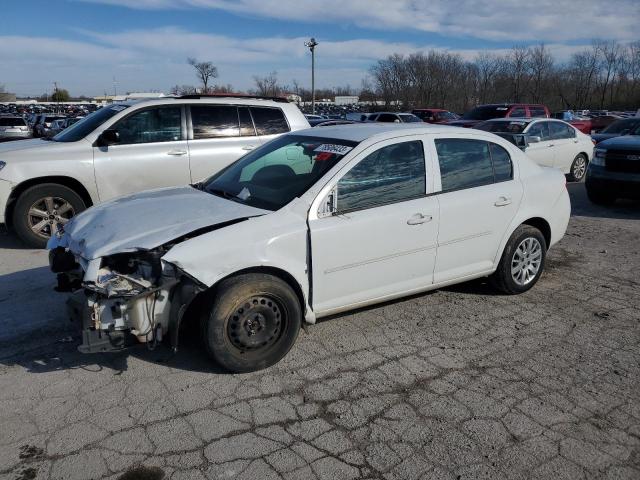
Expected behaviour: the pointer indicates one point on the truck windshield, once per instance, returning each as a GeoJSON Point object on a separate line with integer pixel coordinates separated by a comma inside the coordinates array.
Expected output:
{"type": "Point", "coordinates": [486, 112]}
{"type": "Point", "coordinates": [279, 171]}
{"type": "Point", "coordinates": [88, 124]}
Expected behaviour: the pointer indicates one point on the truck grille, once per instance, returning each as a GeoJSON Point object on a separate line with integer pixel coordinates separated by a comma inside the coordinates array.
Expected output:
{"type": "Point", "coordinates": [619, 161]}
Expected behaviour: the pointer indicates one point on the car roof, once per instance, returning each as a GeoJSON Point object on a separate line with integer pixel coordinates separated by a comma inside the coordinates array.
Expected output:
{"type": "Point", "coordinates": [359, 132]}
{"type": "Point", "coordinates": [206, 100]}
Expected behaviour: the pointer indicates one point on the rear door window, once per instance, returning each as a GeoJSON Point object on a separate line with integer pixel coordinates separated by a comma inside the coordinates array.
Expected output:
{"type": "Point", "coordinates": [464, 163]}
{"type": "Point", "coordinates": [559, 131]}
{"type": "Point", "coordinates": [214, 121]}
{"type": "Point", "coordinates": [269, 121]}
{"type": "Point", "coordinates": [502, 166]}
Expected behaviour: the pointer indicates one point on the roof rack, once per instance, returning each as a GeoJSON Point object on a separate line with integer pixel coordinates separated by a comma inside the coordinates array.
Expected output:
{"type": "Point", "coordinates": [196, 96]}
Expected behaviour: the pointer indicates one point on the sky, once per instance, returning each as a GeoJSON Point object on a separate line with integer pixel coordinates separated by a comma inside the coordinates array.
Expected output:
{"type": "Point", "coordinates": [84, 45]}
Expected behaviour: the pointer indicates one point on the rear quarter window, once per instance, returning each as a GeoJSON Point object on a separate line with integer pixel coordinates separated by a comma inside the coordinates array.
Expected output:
{"type": "Point", "coordinates": [269, 121]}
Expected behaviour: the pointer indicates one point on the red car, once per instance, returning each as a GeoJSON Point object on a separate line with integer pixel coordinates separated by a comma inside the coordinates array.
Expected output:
{"type": "Point", "coordinates": [501, 110]}
{"type": "Point", "coordinates": [434, 115]}
{"type": "Point", "coordinates": [583, 124]}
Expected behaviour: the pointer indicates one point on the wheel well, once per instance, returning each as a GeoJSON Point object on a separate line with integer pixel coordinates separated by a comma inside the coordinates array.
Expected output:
{"type": "Point", "coordinates": [69, 182]}
{"type": "Point", "coordinates": [276, 272]}
{"type": "Point", "coordinates": [542, 225]}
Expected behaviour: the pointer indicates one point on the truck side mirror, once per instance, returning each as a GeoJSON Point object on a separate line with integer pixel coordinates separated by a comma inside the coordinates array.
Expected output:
{"type": "Point", "coordinates": [108, 137]}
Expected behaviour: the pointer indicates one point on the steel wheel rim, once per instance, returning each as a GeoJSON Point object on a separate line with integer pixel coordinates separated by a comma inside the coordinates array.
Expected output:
{"type": "Point", "coordinates": [256, 324]}
{"type": "Point", "coordinates": [579, 167]}
{"type": "Point", "coordinates": [46, 214]}
{"type": "Point", "coordinates": [526, 261]}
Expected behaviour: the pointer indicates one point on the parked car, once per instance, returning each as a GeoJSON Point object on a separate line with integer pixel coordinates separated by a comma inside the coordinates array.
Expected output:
{"type": "Point", "coordinates": [601, 122]}
{"type": "Point", "coordinates": [130, 147]}
{"type": "Point", "coordinates": [549, 142]}
{"type": "Point", "coordinates": [614, 171]}
{"type": "Point", "coordinates": [13, 127]}
{"type": "Point", "coordinates": [580, 122]}
{"type": "Point", "coordinates": [43, 125]}
{"type": "Point", "coordinates": [625, 126]}
{"type": "Point", "coordinates": [391, 117]}
{"type": "Point", "coordinates": [58, 125]}
{"type": "Point", "coordinates": [357, 116]}
{"type": "Point", "coordinates": [435, 115]}
{"type": "Point", "coordinates": [505, 110]}
{"type": "Point", "coordinates": [313, 223]}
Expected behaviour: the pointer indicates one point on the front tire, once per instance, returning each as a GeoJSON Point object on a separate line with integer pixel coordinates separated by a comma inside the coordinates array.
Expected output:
{"type": "Point", "coordinates": [522, 261]}
{"type": "Point", "coordinates": [40, 209]}
{"type": "Point", "coordinates": [253, 322]}
{"type": "Point", "coordinates": [578, 168]}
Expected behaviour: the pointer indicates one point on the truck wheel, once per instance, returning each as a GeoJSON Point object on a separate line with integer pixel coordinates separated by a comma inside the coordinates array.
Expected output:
{"type": "Point", "coordinates": [41, 208]}
{"type": "Point", "coordinates": [578, 168]}
{"type": "Point", "coordinates": [600, 197]}
{"type": "Point", "coordinates": [252, 323]}
{"type": "Point", "coordinates": [522, 261]}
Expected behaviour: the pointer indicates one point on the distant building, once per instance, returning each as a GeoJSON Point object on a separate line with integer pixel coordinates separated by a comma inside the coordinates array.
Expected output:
{"type": "Point", "coordinates": [346, 99]}
{"type": "Point", "coordinates": [7, 97]}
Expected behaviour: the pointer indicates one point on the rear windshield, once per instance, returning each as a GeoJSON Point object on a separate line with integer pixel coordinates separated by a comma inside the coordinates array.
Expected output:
{"type": "Point", "coordinates": [11, 122]}
{"type": "Point", "coordinates": [502, 127]}
{"type": "Point", "coordinates": [486, 112]}
{"type": "Point", "coordinates": [621, 125]}
{"type": "Point", "coordinates": [88, 124]}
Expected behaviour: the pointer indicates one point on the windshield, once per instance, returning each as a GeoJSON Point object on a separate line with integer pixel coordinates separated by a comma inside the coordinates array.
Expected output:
{"type": "Point", "coordinates": [88, 124]}
{"type": "Point", "coordinates": [485, 113]}
{"type": "Point", "coordinates": [279, 171]}
{"type": "Point", "coordinates": [502, 127]}
{"type": "Point", "coordinates": [409, 118]}
{"type": "Point", "coordinates": [620, 125]}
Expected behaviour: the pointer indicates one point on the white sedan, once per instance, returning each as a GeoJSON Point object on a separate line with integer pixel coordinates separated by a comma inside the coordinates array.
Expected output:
{"type": "Point", "coordinates": [308, 225]}
{"type": "Point", "coordinates": [549, 142]}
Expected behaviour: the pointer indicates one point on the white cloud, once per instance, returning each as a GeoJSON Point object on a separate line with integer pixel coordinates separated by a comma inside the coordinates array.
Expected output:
{"type": "Point", "coordinates": [501, 20]}
{"type": "Point", "coordinates": [156, 59]}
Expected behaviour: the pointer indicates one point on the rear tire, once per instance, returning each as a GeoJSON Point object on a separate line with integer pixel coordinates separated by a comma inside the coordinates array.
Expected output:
{"type": "Point", "coordinates": [600, 197]}
{"type": "Point", "coordinates": [578, 168]}
{"type": "Point", "coordinates": [522, 261]}
{"type": "Point", "coordinates": [252, 323]}
{"type": "Point", "coordinates": [39, 209]}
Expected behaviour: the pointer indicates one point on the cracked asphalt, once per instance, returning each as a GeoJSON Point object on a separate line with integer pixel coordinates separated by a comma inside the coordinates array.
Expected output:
{"type": "Point", "coordinates": [461, 383]}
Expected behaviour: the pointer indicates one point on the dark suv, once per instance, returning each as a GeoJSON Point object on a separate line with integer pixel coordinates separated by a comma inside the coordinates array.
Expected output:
{"type": "Point", "coordinates": [502, 110]}
{"type": "Point", "coordinates": [614, 171]}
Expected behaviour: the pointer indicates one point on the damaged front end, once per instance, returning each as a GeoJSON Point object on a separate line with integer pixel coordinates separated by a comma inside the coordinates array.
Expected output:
{"type": "Point", "coordinates": [125, 298]}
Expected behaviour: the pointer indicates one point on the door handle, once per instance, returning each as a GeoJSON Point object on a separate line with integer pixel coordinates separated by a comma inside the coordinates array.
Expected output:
{"type": "Point", "coordinates": [552, 145]}
{"type": "Point", "coordinates": [248, 148]}
{"type": "Point", "coordinates": [177, 153]}
{"type": "Point", "coordinates": [502, 202]}
{"type": "Point", "coordinates": [418, 219]}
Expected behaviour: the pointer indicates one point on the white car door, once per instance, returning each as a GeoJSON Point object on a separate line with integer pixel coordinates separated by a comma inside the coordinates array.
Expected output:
{"type": "Point", "coordinates": [218, 136]}
{"type": "Point", "coordinates": [381, 239]}
{"type": "Point", "coordinates": [151, 153]}
{"type": "Point", "coordinates": [480, 196]}
{"type": "Point", "coordinates": [542, 152]}
{"type": "Point", "coordinates": [566, 146]}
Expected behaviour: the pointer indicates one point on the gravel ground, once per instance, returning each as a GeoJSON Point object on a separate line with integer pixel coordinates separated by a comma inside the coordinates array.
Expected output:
{"type": "Point", "coordinates": [459, 383]}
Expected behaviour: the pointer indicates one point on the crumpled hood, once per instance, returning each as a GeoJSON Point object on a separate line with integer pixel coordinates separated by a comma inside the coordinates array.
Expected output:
{"type": "Point", "coordinates": [147, 220]}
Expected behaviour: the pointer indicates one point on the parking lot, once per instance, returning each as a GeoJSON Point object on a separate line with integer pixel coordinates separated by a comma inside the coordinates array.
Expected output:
{"type": "Point", "coordinates": [459, 383]}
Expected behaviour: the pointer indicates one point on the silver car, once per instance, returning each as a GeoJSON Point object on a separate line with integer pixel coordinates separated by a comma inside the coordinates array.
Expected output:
{"type": "Point", "coordinates": [13, 127]}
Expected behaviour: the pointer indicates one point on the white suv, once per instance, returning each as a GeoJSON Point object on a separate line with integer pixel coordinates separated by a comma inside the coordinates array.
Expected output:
{"type": "Point", "coordinates": [128, 147]}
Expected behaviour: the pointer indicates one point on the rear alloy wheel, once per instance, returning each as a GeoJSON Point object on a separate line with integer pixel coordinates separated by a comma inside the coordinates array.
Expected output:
{"type": "Point", "coordinates": [253, 322]}
{"type": "Point", "coordinates": [42, 209]}
{"type": "Point", "coordinates": [522, 261]}
{"type": "Point", "coordinates": [578, 168]}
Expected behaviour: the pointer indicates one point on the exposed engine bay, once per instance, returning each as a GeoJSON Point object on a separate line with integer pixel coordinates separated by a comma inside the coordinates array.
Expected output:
{"type": "Point", "coordinates": [124, 298]}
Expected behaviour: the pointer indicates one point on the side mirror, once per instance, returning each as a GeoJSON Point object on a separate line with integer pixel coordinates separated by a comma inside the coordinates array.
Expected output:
{"type": "Point", "coordinates": [534, 139]}
{"type": "Point", "coordinates": [109, 137]}
{"type": "Point", "coordinates": [330, 204]}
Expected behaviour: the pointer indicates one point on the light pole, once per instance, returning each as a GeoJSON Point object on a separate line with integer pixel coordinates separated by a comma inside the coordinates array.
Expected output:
{"type": "Point", "coordinates": [311, 44]}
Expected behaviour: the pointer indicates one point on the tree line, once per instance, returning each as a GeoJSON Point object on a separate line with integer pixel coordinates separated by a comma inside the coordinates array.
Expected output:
{"type": "Point", "coordinates": [604, 76]}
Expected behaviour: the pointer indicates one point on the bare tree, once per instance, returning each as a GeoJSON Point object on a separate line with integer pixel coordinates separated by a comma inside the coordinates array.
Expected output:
{"type": "Point", "coordinates": [541, 66]}
{"type": "Point", "coordinates": [267, 86]}
{"type": "Point", "coordinates": [205, 71]}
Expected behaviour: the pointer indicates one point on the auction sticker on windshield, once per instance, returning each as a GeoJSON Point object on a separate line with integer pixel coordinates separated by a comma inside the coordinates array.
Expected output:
{"type": "Point", "coordinates": [332, 148]}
